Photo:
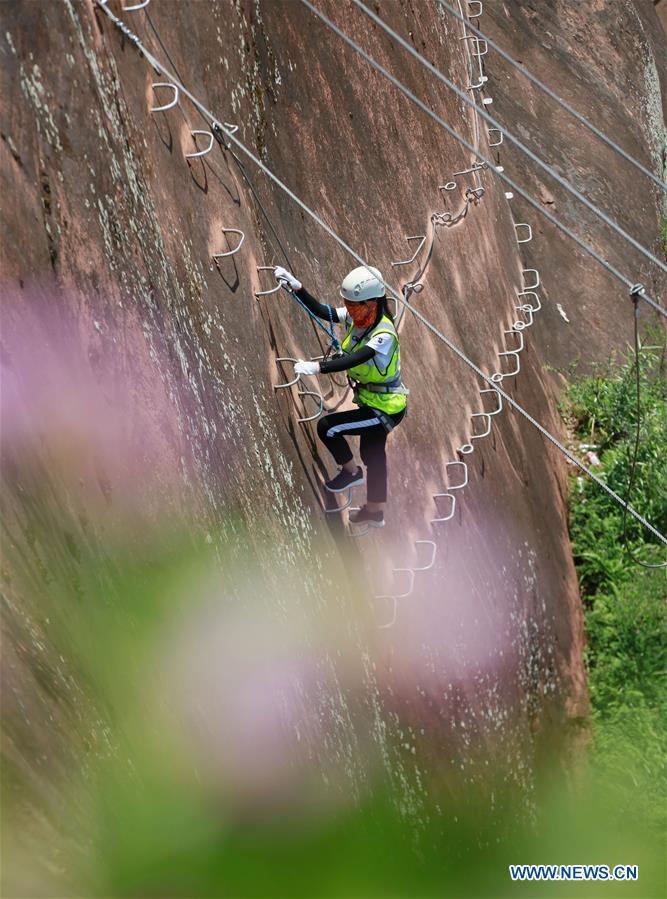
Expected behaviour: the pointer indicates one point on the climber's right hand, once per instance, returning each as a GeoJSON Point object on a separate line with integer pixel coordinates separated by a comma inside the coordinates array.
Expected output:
{"type": "Point", "coordinates": [283, 276]}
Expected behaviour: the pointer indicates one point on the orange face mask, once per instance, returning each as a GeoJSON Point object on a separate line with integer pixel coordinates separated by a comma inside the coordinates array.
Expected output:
{"type": "Point", "coordinates": [362, 314]}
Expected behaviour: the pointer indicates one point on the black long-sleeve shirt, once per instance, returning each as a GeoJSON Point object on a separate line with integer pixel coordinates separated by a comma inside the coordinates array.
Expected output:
{"type": "Point", "coordinates": [328, 313]}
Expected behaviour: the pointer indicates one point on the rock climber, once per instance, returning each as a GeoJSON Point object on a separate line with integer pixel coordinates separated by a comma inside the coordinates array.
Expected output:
{"type": "Point", "coordinates": [371, 356]}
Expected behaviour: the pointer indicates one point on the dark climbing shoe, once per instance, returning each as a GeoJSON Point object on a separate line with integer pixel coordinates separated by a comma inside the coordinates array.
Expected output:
{"type": "Point", "coordinates": [343, 480]}
{"type": "Point", "coordinates": [365, 516]}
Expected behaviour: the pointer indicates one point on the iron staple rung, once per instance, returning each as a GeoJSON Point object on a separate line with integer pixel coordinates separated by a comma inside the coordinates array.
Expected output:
{"type": "Point", "coordinates": [172, 102]}
{"type": "Point", "coordinates": [236, 249]}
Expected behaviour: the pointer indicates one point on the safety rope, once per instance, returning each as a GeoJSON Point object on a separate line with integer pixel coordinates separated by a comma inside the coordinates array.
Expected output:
{"type": "Point", "coordinates": [329, 331]}
{"type": "Point", "coordinates": [487, 162]}
{"type": "Point", "coordinates": [515, 140]}
{"type": "Point", "coordinates": [210, 118]}
{"type": "Point", "coordinates": [547, 90]}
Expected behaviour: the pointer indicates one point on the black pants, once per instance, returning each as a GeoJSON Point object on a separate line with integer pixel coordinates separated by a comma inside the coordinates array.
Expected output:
{"type": "Point", "coordinates": [365, 423]}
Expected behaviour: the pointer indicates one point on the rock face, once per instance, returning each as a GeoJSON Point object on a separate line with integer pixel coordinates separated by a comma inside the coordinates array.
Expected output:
{"type": "Point", "coordinates": [109, 233]}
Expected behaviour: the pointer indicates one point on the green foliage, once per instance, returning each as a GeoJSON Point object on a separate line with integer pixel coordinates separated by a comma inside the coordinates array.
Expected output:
{"type": "Point", "coordinates": [625, 610]}
{"type": "Point", "coordinates": [626, 648]}
{"type": "Point", "coordinates": [603, 412]}
{"type": "Point", "coordinates": [603, 405]}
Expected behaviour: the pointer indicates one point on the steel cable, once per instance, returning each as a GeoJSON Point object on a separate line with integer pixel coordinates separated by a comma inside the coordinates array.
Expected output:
{"type": "Point", "coordinates": [487, 162]}
{"type": "Point", "coordinates": [515, 140]}
{"type": "Point", "coordinates": [547, 90]}
{"type": "Point", "coordinates": [210, 118]}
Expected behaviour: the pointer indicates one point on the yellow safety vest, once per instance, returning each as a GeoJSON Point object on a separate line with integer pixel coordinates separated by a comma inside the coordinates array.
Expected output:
{"type": "Point", "coordinates": [370, 373]}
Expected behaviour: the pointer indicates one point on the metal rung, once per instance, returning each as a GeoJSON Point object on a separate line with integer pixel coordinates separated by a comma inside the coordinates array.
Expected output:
{"type": "Point", "coordinates": [528, 309]}
{"type": "Point", "coordinates": [476, 167]}
{"type": "Point", "coordinates": [500, 138]}
{"type": "Point", "coordinates": [422, 240]}
{"type": "Point", "coordinates": [433, 554]}
{"type": "Point", "coordinates": [511, 374]}
{"type": "Point", "coordinates": [415, 286]}
{"type": "Point", "coordinates": [215, 125]}
{"type": "Point", "coordinates": [135, 6]}
{"type": "Point", "coordinates": [236, 249]}
{"type": "Point", "coordinates": [480, 84]}
{"type": "Point", "coordinates": [528, 239]}
{"type": "Point", "coordinates": [201, 152]}
{"type": "Point", "coordinates": [498, 396]}
{"type": "Point", "coordinates": [265, 293]}
{"type": "Point", "coordinates": [394, 612]}
{"type": "Point", "coordinates": [526, 271]}
{"type": "Point", "coordinates": [451, 185]}
{"type": "Point", "coordinates": [451, 511]}
{"type": "Point", "coordinates": [411, 578]}
{"type": "Point", "coordinates": [487, 101]}
{"type": "Point", "coordinates": [347, 505]}
{"type": "Point", "coordinates": [478, 5]}
{"type": "Point", "coordinates": [477, 41]}
{"type": "Point", "coordinates": [520, 348]}
{"type": "Point", "coordinates": [321, 402]}
{"type": "Point", "coordinates": [465, 475]}
{"type": "Point", "coordinates": [488, 425]}
{"type": "Point", "coordinates": [171, 103]}
{"type": "Point", "coordinates": [531, 293]}
{"type": "Point", "coordinates": [289, 383]}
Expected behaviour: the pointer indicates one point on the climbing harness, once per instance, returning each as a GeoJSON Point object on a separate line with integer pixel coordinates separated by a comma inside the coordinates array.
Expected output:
{"type": "Point", "coordinates": [363, 376]}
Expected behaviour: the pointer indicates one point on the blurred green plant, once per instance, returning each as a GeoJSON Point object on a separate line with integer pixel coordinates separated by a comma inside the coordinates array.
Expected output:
{"type": "Point", "coordinates": [602, 412]}
{"type": "Point", "coordinates": [129, 771]}
{"type": "Point", "coordinates": [624, 604]}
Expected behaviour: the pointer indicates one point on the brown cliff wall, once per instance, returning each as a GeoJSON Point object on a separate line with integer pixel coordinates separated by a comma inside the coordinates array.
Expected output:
{"type": "Point", "coordinates": [113, 229]}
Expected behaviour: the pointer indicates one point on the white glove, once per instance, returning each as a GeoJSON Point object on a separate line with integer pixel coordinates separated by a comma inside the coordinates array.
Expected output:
{"type": "Point", "coordinates": [306, 368]}
{"type": "Point", "coordinates": [281, 274]}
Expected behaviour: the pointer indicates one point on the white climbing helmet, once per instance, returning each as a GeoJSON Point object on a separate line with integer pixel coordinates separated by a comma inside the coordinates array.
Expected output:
{"type": "Point", "coordinates": [361, 284]}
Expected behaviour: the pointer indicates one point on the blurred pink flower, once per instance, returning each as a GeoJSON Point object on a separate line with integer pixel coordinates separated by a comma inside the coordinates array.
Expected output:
{"type": "Point", "coordinates": [88, 406]}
